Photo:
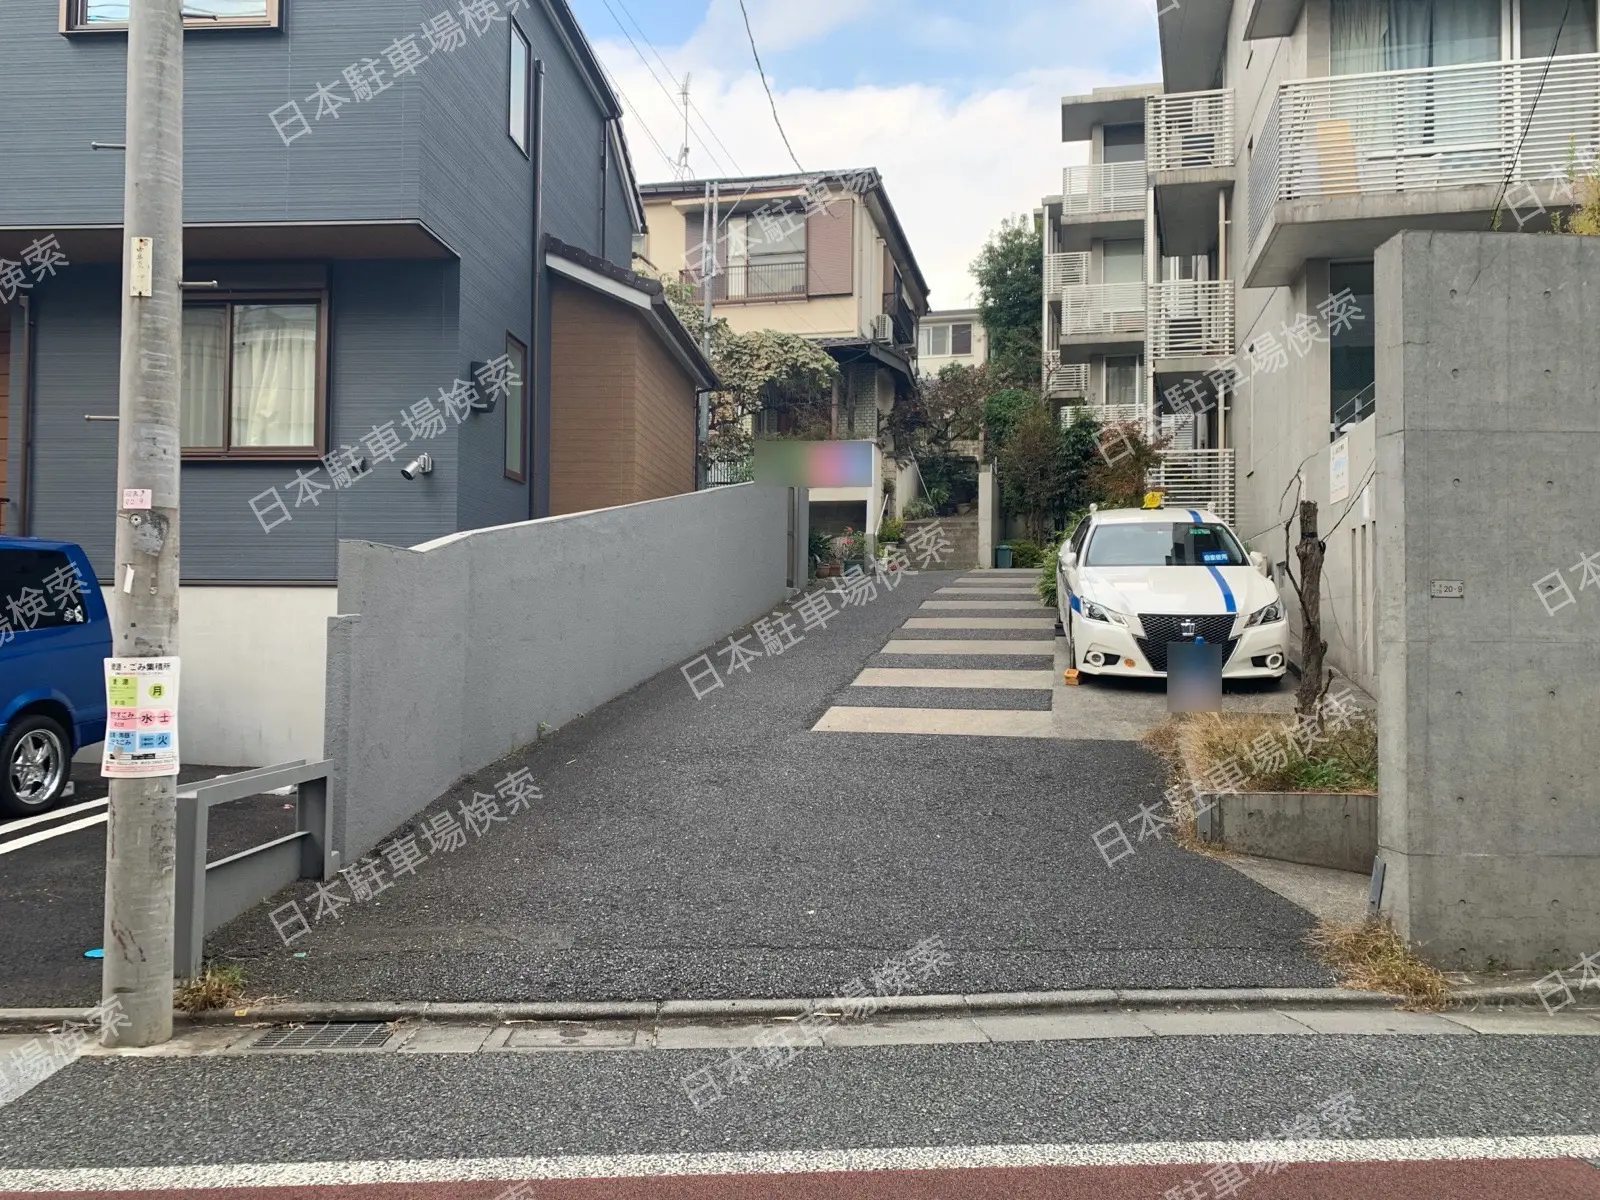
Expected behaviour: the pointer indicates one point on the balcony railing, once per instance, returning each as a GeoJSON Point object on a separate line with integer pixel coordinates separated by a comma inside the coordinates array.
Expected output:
{"type": "Point", "coordinates": [1103, 188]}
{"type": "Point", "coordinates": [1064, 380]}
{"type": "Point", "coordinates": [752, 282]}
{"type": "Point", "coordinates": [1191, 129]}
{"type": "Point", "coordinates": [1103, 309]}
{"type": "Point", "coordinates": [1190, 318]}
{"type": "Point", "coordinates": [1196, 479]}
{"type": "Point", "coordinates": [1416, 130]}
{"type": "Point", "coordinates": [1064, 271]}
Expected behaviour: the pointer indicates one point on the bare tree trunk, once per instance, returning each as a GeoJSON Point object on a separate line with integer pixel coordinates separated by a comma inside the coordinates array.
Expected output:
{"type": "Point", "coordinates": [1313, 649]}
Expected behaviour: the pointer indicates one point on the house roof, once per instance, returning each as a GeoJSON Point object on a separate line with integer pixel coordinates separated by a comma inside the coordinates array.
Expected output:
{"type": "Point", "coordinates": [649, 295]}
{"type": "Point", "coordinates": [866, 182]}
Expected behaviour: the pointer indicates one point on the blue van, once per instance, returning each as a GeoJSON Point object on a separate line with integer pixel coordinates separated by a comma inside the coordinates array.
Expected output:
{"type": "Point", "coordinates": [55, 636]}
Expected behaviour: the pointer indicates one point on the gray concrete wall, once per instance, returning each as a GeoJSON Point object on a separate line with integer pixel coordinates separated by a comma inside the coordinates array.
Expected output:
{"type": "Point", "coordinates": [448, 656]}
{"type": "Point", "coordinates": [1317, 828]}
{"type": "Point", "coordinates": [1488, 440]}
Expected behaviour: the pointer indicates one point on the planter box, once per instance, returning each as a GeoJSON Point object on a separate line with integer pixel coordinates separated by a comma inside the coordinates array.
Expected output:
{"type": "Point", "coordinates": [1321, 829]}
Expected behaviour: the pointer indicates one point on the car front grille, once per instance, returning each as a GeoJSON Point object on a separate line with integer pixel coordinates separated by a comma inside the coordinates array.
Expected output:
{"type": "Point", "coordinates": [1161, 628]}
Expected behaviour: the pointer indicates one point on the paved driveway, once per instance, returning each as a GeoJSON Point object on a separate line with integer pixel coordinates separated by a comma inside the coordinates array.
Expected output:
{"type": "Point", "coordinates": [722, 847]}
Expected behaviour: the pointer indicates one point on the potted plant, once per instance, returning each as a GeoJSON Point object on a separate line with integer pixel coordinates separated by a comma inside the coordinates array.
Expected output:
{"type": "Point", "coordinates": [820, 548]}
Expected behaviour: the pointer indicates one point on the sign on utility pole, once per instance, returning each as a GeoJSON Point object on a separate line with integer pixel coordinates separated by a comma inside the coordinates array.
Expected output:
{"type": "Point", "coordinates": [142, 826]}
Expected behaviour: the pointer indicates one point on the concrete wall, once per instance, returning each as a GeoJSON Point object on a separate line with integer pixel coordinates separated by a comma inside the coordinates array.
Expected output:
{"type": "Point", "coordinates": [448, 656]}
{"type": "Point", "coordinates": [1317, 828]}
{"type": "Point", "coordinates": [1488, 438]}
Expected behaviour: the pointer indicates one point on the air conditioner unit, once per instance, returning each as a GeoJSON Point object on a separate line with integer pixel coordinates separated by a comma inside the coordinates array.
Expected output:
{"type": "Point", "coordinates": [883, 328]}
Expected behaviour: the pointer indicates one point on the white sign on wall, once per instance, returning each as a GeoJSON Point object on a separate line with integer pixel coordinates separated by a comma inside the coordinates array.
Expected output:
{"type": "Point", "coordinates": [1339, 471]}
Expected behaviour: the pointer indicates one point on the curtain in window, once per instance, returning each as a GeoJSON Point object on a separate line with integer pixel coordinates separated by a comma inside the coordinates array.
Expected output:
{"type": "Point", "coordinates": [205, 361]}
{"type": "Point", "coordinates": [1358, 30]}
{"type": "Point", "coordinates": [1541, 19]}
{"type": "Point", "coordinates": [274, 374]}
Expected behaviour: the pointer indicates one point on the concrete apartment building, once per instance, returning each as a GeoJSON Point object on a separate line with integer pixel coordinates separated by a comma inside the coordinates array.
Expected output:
{"type": "Point", "coordinates": [1292, 138]}
{"type": "Point", "coordinates": [822, 256]}
{"type": "Point", "coordinates": [1127, 317]}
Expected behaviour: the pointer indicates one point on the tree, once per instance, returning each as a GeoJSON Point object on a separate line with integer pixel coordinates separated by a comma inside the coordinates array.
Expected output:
{"type": "Point", "coordinates": [763, 371]}
{"type": "Point", "coordinates": [1010, 274]}
{"type": "Point", "coordinates": [1045, 470]}
{"type": "Point", "coordinates": [1001, 412]}
{"type": "Point", "coordinates": [1123, 459]}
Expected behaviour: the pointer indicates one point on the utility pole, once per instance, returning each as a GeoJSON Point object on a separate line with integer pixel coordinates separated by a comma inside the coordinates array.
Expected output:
{"type": "Point", "coordinates": [683, 151]}
{"type": "Point", "coordinates": [708, 270]}
{"type": "Point", "coordinates": [141, 829]}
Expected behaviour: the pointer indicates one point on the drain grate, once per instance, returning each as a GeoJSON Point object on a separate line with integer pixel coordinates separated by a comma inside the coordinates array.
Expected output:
{"type": "Point", "coordinates": [330, 1035]}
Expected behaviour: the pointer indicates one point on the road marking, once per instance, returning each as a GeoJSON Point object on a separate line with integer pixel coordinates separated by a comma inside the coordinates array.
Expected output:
{"type": "Point", "coordinates": [980, 623]}
{"type": "Point", "coordinates": [982, 722]}
{"type": "Point", "coordinates": [980, 605]}
{"type": "Point", "coordinates": [915, 677]}
{"type": "Point", "coordinates": [46, 835]}
{"type": "Point", "coordinates": [969, 646]}
{"type": "Point", "coordinates": [641, 1166]}
{"type": "Point", "coordinates": [998, 593]}
{"type": "Point", "coordinates": [53, 815]}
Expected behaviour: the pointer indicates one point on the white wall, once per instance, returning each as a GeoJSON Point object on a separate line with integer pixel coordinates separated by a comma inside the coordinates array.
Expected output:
{"type": "Point", "coordinates": [253, 680]}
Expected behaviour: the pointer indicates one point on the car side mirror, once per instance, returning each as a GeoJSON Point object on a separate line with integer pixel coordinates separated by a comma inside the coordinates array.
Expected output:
{"type": "Point", "coordinates": [1261, 563]}
{"type": "Point", "coordinates": [1069, 558]}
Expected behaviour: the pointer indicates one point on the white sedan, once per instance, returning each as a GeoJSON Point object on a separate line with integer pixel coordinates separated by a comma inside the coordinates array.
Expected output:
{"type": "Point", "coordinates": [1131, 581]}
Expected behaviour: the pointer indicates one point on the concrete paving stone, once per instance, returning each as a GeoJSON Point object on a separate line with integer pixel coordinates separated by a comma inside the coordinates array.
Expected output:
{"type": "Point", "coordinates": [1373, 1021]}
{"type": "Point", "coordinates": [945, 721]}
{"type": "Point", "coordinates": [990, 623]}
{"type": "Point", "coordinates": [914, 1031]}
{"type": "Point", "coordinates": [447, 1039]}
{"type": "Point", "coordinates": [1084, 998]}
{"type": "Point", "coordinates": [717, 1037]}
{"type": "Point", "coordinates": [576, 1035]}
{"type": "Point", "coordinates": [1253, 1023]}
{"type": "Point", "coordinates": [1049, 1027]}
{"type": "Point", "coordinates": [963, 662]}
{"type": "Point", "coordinates": [993, 593]}
{"type": "Point", "coordinates": [977, 606]}
{"type": "Point", "coordinates": [967, 646]}
{"type": "Point", "coordinates": [911, 677]}
{"type": "Point", "coordinates": [965, 697]}
{"type": "Point", "coordinates": [1533, 1022]}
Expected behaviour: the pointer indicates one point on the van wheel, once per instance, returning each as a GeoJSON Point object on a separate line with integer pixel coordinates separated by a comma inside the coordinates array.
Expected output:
{"type": "Point", "coordinates": [34, 765]}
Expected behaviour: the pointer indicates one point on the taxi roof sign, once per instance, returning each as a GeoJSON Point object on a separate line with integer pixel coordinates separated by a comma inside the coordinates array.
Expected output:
{"type": "Point", "coordinates": [1152, 499]}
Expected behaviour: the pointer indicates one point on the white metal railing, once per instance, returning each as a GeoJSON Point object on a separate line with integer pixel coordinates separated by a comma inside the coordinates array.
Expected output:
{"type": "Point", "coordinates": [1111, 414]}
{"type": "Point", "coordinates": [1263, 171]}
{"type": "Point", "coordinates": [1103, 188]}
{"type": "Point", "coordinates": [1103, 308]}
{"type": "Point", "coordinates": [1196, 479]}
{"type": "Point", "coordinates": [1402, 131]}
{"type": "Point", "coordinates": [1190, 129]}
{"type": "Point", "coordinates": [1064, 271]}
{"type": "Point", "coordinates": [1064, 379]}
{"type": "Point", "coordinates": [1191, 317]}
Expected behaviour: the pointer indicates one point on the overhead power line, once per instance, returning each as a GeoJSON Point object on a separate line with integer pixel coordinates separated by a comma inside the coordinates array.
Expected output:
{"type": "Point", "coordinates": [762, 71]}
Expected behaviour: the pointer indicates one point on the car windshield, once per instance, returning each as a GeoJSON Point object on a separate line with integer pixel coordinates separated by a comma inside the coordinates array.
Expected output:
{"type": "Point", "coordinates": [1147, 544]}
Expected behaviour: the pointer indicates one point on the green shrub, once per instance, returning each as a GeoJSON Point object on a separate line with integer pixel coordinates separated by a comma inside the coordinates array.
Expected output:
{"type": "Point", "coordinates": [918, 510]}
{"type": "Point", "coordinates": [1045, 585]}
{"type": "Point", "coordinates": [1025, 553]}
{"type": "Point", "coordinates": [819, 546]}
{"type": "Point", "coordinates": [892, 530]}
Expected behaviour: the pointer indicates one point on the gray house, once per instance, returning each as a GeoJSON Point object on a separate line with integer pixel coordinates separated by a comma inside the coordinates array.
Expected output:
{"type": "Point", "coordinates": [365, 186]}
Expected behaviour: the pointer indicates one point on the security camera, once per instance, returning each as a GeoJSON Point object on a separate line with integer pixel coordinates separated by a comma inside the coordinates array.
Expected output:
{"type": "Point", "coordinates": [421, 465]}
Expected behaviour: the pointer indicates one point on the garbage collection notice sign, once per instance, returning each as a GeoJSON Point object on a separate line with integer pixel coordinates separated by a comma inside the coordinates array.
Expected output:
{"type": "Point", "coordinates": [141, 717]}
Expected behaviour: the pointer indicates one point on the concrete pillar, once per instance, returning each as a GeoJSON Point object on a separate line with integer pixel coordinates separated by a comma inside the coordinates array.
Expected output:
{"type": "Point", "coordinates": [1488, 645]}
{"type": "Point", "coordinates": [988, 514]}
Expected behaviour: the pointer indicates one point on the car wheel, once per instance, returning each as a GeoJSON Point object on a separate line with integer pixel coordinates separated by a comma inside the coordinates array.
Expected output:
{"type": "Point", "coordinates": [34, 765]}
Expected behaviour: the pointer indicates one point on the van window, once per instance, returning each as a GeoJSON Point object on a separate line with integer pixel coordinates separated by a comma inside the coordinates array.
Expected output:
{"type": "Point", "coordinates": [39, 589]}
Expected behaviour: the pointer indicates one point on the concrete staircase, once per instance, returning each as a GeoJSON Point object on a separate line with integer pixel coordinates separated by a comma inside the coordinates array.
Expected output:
{"type": "Point", "coordinates": [961, 533]}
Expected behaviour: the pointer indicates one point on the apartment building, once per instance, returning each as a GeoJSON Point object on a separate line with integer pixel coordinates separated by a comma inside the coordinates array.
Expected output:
{"type": "Point", "coordinates": [953, 336]}
{"type": "Point", "coordinates": [823, 256]}
{"type": "Point", "coordinates": [1322, 128]}
{"type": "Point", "coordinates": [1130, 317]}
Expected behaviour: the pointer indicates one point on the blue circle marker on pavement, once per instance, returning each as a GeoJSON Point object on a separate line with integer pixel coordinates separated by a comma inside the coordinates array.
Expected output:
{"type": "Point", "coordinates": [95, 953]}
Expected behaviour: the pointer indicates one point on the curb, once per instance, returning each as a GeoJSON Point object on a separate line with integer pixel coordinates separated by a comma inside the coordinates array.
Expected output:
{"type": "Point", "coordinates": [1500, 995]}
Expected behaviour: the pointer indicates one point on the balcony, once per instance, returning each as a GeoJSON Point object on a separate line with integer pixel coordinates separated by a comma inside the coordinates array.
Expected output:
{"type": "Point", "coordinates": [1191, 319]}
{"type": "Point", "coordinates": [1102, 189]}
{"type": "Point", "coordinates": [1343, 164]}
{"type": "Point", "coordinates": [1196, 479]}
{"type": "Point", "coordinates": [1064, 381]}
{"type": "Point", "coordinates": [1062, 271]}
{"type": "Point", "coordinates": [1103, 317]}
{"type": "Point", "coordinates": [1190, 151]}
{"type": "Point", "coordinates": [752, 283]}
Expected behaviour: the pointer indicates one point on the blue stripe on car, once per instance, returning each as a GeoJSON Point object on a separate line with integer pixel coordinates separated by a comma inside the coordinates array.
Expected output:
{"type": "Point", "coordinates": [1075, 606]}
{"type": "Point", "coordinates": [1227, 592]}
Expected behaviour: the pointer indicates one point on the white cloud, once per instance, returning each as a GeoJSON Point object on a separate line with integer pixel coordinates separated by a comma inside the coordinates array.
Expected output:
{"type": "Point", "coordinates": [955, 166]}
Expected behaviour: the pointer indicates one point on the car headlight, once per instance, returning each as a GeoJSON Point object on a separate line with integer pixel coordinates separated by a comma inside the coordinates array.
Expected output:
{"type": "Point", "coordinates": [1097, 612]}
{"type": "Point", "coordinates": [1266, 616]}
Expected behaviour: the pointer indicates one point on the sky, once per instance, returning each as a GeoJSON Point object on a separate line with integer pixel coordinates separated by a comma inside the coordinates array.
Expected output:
{"type": "Point", "coordinates": [957, 103]}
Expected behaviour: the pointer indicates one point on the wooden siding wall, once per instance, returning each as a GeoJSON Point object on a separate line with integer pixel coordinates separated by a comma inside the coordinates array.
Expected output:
{"type": "Point", "coordinates": [664, 431]}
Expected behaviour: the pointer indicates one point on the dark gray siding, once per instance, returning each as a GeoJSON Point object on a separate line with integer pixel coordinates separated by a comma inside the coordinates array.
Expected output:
{"type": "Point", "coordinates": [619, 219]}
{"type": "Point", "coordinates": [387, 326]}
{"type": "Point", "coordinates": [362, 165]}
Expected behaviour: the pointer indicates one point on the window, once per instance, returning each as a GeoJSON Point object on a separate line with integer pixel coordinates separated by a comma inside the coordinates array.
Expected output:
{"type": "Point", "coordinates": [1352, 357]}
{"type": "Point", "coordinates": [516, 403]}
{"type": "Point", "coordinates": [961, 339]}
{"type": "Point", "coordinates": [1392, 35]}
{"type": "Point", "coordinates": [938, 340]}
{"type": "Point", "coordinates": [1160, 545]}
{"type": "Point", "coordinates": [40, 589]}
{"type": "Point", "coordinates": [517, 97]}
{"type": "Point", "coordinates": [79, 15]}
{"type": "Point", "coordinates": [1122, 381]}
{"type": "Point", "coordinates": [1541, 19]}
{"type": "Point", "coordinates": [253, 378]}
{"type": "Point", "coordinates": [1122, 143]}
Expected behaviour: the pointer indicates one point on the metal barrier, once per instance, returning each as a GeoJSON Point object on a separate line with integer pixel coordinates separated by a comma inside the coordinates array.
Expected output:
{"type": "Point", "coordinates": [209, 895]}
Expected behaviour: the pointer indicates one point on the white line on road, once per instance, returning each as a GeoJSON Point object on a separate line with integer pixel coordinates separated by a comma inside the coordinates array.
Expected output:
{"type": "Point", "coordinates": [317, 1175]}
{"type": "Point", "coordinates": [53, 815]}
{"type": "Point", "coordinates": [982, 605]}
{"type": "Point", "coordinates": [44, 836]}
{"type": "Point", "coordinates": [919, 677]}
{"type": "Point", "coordinates": [969, 646]}
{"type": "Point", "coordinates": [981, 623]}
{"type": "Point", "coordinates": [959, 722]}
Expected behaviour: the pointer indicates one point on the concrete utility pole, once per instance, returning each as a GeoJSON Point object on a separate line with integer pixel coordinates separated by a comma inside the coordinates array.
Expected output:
{"type": "Point", "coordinates": [141, 829]}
